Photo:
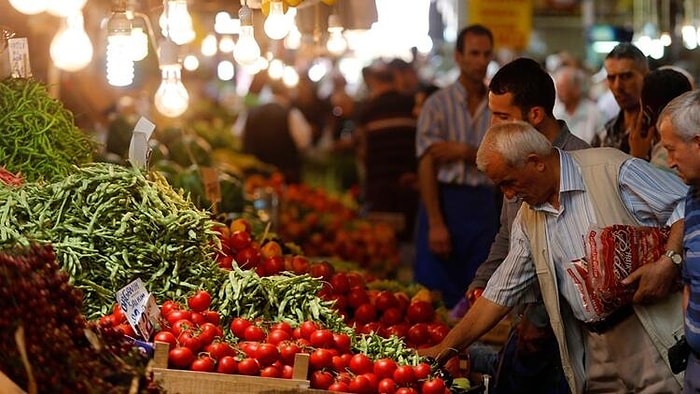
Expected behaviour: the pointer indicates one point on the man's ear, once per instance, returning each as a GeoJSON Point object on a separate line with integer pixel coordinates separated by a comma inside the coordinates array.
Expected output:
{"type": "Point", "coordinates": [537, 160]}
{"type": "Point", "coordinates": [696, 141]}
{"type": "Point", "coordinates": [535, 115]}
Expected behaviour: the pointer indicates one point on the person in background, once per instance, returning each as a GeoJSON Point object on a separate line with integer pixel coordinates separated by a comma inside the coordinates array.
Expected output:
{"type": "Point", "coordinates": [660, 87]}
{"type": "Point", "coordinates": [679, 128]}
{"type": "Point", "coordinates": [458, 214]}
{"type": "Point", "coordinates": [563, 194]}
{"type": "Point", "coordinates": [573, 105]}
{"type": "Point", "coordinates": [523, 91]}
{"type": "Point", "coordinates": [277, 133]}
{"type": "Point", "coordinates": [625, 68]}
{"type": "Point", "coordinates": [386, 131]}
{"type": "Point", "coordinates": [406, 76]}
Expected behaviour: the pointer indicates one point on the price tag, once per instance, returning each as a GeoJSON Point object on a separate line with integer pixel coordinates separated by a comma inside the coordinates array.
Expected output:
{"type": "Point", "coordinates": [139, 307]}
{"type": "Point", "coordinates": [138, 148]}
{"type": "Point", "coordinates": [212, 188]}
{"type": "Point", "coordinates": [18, 53]}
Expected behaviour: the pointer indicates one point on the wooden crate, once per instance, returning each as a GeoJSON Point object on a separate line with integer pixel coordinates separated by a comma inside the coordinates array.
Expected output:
{"type": "Point", "coordinates": [175, 381]}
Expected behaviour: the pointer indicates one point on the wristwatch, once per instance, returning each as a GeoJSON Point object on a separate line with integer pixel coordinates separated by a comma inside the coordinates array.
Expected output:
{"type": "Point", "coordinates": [675, 257]}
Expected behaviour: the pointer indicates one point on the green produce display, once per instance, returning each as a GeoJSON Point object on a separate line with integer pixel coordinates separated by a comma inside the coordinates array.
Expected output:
{"type": "Point", "coordinates": [39, 137]}
{"type": "Point", "coordinates": [111, 224]}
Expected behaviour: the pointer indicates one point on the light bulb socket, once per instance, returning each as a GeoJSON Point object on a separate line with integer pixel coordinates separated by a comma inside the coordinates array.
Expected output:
{"type": "Point", "coordinates": [168, 53]}
{"type": "Point", "coordinates": [118, 24]}
{"type": "Point", "coordinates": [334, 23]}
{"type": "Point", "coordinates": [245, 15]}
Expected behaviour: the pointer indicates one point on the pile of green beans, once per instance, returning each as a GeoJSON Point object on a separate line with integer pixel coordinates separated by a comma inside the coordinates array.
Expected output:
{"type": "Point", "coordinates": [39, 137]}
{"type": "Point", "coordinates": [111, 224]}
{"type": "Point", "coordinates": [286, 297]}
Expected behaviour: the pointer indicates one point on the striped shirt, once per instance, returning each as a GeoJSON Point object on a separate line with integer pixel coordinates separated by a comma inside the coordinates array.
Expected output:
{"type": "Point", "coordinates": [691, 267]}
{"type": "Point", "coordinates": [445, 117]}
{"type": "Point", "coordinates": [653, 196]}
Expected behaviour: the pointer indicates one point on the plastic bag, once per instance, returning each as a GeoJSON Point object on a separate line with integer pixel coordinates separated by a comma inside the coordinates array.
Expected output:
{"type": "Point", "coordinates": [612, 253]}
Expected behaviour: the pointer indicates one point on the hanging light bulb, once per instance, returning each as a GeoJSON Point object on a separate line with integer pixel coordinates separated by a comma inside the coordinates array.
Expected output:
{"type": "Point", "coordinates": [293, 39]}
{"type": "Point", "coordinates": [30, 7]}
{"type": "Point", "coordinates": [336, 43]}
{"type": "Point", "coordinates": [71, 49]}
{"type": "Point", "coordinates": [120, 66]}
{"type": "Point", "coordinates": [247, 50]}
{"type": "Point", "coordinates": [226, 44]}
{"type": "Point", "coordinates": [139, 44]}
{"type": "Point", "coordinates": [179, 22]}
{"type": "Point", "coordinates": [276, 24]}
{"type": "Point", "coordinates": [209, 45]}
{"type": "Point", "coordinates": [65, 7]}
{"type": "Point", "coordinates": [171, 98]}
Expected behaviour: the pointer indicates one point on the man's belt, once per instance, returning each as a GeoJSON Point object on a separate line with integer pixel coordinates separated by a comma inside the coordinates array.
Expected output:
{"type": "Point", "coordinates": [611, 321]}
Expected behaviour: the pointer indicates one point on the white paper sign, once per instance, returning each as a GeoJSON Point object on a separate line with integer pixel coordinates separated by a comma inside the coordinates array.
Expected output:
{"type": "Point", "coordinates": [138, 149]}
{"type": "Point", "coordinates": [139, 307]}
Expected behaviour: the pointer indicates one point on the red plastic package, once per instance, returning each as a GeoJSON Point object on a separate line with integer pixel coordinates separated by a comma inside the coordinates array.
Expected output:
{"type": "Point", "coordinates": [612, 253]}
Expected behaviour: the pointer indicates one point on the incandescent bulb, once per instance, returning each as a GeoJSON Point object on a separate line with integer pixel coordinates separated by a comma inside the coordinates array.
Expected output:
{"type": "Point", "coordinates": [65, 7]}
{"type": "Point", "coordinates": [293, 39]}
{"type": "Point", "coordinates": [209, 45]}
{"type": "Point", "coordinates": [30, 7]}
{"type": "Point", "coordinates": [171, 98]}
{"type": "Point", "coordinates": [247, 50]}
{"type": "Point", "coordinates": [139, 44]}
{"type": "Point", "coordinates": [179, 22]}
{"type": "Point", "coordinates": [276, 24]}
{"type": "Point", "coordinates": [336, 43]}
{"type": "Point", "coordinates": [71, 49]}
{"type": "Point", "coordinates": [120, 66]}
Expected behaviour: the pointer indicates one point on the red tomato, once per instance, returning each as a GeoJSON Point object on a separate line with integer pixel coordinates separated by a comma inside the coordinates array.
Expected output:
{"type": "Point", "coordinates": [360, 384]}
{"type": "Point", "coordinates": [219, 350]}
{"type": "Point", "coordinates": [254, 333]}
{"type": "Point", "coordinates": [266, 354]}
{"type": "Point", "coordinates": [433, 386]}
{"type": "Point", "coordinates": [339, 387]}
{"type": "Point", "coordinates": [406, 390]}
{"type": "Point", "coordinates": [355, 279]}
{"type": "Point", "coordinates": [191, 340]}
{"type": "Point", "coordinates": [249, 366]}
{"type": "Point", "coordinates": [208, 332]}
{"type": "Point", "coordinates": [386, 386]}
{"type": "Point", "coordinates": [384, 368]}
{"type": "Point", "coordinates": [212, 317]}
{"type": "Point", "coordinates": [287, 371]}
{"type": "Point", "coordinates": [277, 336]}
{"type": "Point", "coordinates": [323, 270]}
{"type": "Point", "coordinates": [240, 240]}
{"type": "Point", "coordinates": [248, 258]}
{"type": "Point", "coordinates": [180, 358]}
{"type": "Point", "coordinates": [307, 328]}
{"type": "Point", "coordinates": [321, 358]}
{"type": "Point", "coordinates": [373, 380]}
{"type": "Point", "coordinates": [178, 314]}
{"type": "Point", "coordinates": [360, 363]}
{"type": "Point", "coordinates": [166, 336]}
{"type": "Point", "coordinates": [239, 325]}
{"type": "Point", "coordinates": [197, 318]}
{"type": "Point", "coordinates": [181, 325]}
{"type": "Point", "coordinates": [339, 283]}
{"type": "Point", "coordinates": [385, 300]}
{"type": "Point", "coordinates": [203, 364]}
{"type": "Point", "coordinates": [339, 363]}
{"type": "Point", "coordinates": [273, 265]}
{"type": "Point", "coordinates": [420, 312]}
{"type": "Point", "coordinates": [322, 338]}
{"type": "Point", "coordinates": [126, 329]}
{"type": "Point", "coordinates": [422, 371]}
{"type": "Point", "coordinates": [288, 351]}
{"type": "Point", "coordinates": [249, 348]}
{"type": "Point", "coordinates": [227, 364]}
{"type": "Point", "coordinates": [321, 380]}
{"type": "Point", "coordinates": [365, 313]}
{"type": "Point", "coordinates": [391, 316]}
{"type": "Point", "coordinates": [404, 375]}
{"type": "Point", "coordinates": [438, 331]}
{"type": "Point", "coordinates": [169, 306]}
{"type": "Point", "coordinates": [118, 313]}
{"type": "Point", "coordinates": [270, 372]}
{"type": "Point", "coordinates": [284, 326]}
{"type": "Point", "coordinates": [342, 342]}
{"type": "Point", "coordinates": [400, 330]}
{"type": "Point", "coordinates": [418, 334]}
{"type": "Point", "coordinates": [200, 301]}
{"type": "Point", "coordinates": [357, 296]}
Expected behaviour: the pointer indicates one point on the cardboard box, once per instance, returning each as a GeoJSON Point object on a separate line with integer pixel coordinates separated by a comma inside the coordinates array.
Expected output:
{"type": "Point", "coordinates": [175, 381]}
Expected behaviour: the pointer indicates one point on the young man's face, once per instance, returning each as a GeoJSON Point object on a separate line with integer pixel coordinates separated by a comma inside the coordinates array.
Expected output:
{"type": "Point", "coordinates": [502, 108]}
{"type": "Point", "coordinates": [683, 156]}
{"type": "Point", "coordinates": [475, 57]}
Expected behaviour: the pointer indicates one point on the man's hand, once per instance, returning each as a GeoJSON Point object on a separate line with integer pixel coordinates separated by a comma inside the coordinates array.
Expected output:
{"type": "Point", "coordinates": [439, 241]}
{"type": "Point", "coordinates": [447, 151]}
{"type": "Point", "coordinates": [656, 280]}
{"type": "Point", "coordinates": [439, 353]}
{"type": "Point", "coordinates": [641, 138]}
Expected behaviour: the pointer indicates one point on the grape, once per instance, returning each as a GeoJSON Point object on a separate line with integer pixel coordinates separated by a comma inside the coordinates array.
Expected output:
{"type": "Point", "coordinates": [37, 296]}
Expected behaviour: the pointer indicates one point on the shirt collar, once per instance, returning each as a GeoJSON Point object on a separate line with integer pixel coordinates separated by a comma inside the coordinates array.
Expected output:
{"type": "Point", "coordinates": [570, 178]}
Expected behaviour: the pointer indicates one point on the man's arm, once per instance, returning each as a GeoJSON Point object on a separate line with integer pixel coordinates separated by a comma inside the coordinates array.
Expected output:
{"type": "Point", "coordinates": [481, 317]}
{"type": "Point", "coordinates": [657, 280]}
{"type": "Point", "coordinates": [438, 235]}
